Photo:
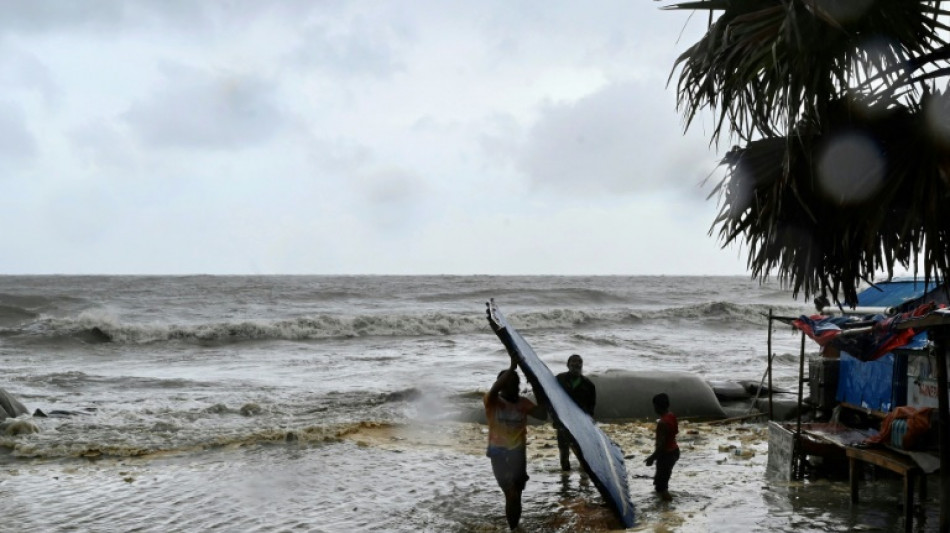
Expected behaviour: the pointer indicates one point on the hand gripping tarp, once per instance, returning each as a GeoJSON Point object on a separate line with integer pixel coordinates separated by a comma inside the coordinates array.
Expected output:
{"type": "Point", "coordinates": [600, 457]}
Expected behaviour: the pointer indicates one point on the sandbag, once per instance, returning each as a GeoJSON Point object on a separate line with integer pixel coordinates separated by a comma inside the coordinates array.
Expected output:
{"type": "Point", "coordinates": [10, 407]}
{"type": "Point", "coordinates": [729, 390]}
{"type": "Point", "coordinates": [624, 394]}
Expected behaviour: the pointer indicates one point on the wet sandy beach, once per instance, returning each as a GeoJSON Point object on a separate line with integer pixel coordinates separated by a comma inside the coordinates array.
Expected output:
{"type": "Point", "coordinates": [721, 470]}
{"type": "Point", "coordinates": [433, 477]}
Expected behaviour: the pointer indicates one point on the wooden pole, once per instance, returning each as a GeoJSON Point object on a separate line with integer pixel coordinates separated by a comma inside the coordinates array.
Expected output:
{"type": "Point", "coordinates": [771, 413]}
{"type": "Point", "coordinates": [801, 385]}
{"type": "Point", "coordinates": [801, 382]}
{"type": "Point", "coordinates": [942, 342]}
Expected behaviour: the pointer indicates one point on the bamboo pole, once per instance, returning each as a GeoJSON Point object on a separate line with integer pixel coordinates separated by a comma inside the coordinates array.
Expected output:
{"type": "Point", "coordinates": [801, 385]}
{"type": "Point", "coordinates": [771, 412]}
{"type": "Point", "coordinates": [942, 342]}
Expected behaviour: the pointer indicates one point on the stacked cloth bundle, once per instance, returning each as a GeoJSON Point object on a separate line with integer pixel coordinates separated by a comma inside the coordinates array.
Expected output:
{"type": "Point", "coordinates": [903, 428]}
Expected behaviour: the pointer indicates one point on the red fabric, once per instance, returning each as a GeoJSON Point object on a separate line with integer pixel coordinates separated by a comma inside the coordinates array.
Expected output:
{"type": "Point", "coordinates": [918, 423]}
{"type": "Point", "coordinates": [883, 338]}
{"type": "Point", "coordinates": [672, 428]}
{"type": "Point", "coordinates": [820, 328]}
{"type": "Point", "coordinates": [889, 337]}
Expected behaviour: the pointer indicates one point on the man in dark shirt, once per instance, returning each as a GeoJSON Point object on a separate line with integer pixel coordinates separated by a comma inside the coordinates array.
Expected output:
{"type": "Point", "coordinates": [582, 391]}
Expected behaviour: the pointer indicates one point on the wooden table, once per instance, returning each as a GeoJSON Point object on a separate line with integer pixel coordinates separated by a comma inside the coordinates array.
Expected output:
{"type": "Point", "coordinates": [895, 462]}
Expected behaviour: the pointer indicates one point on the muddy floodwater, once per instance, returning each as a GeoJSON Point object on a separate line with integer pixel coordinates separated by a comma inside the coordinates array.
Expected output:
{"type": "Point", "coordinates": [434, 477]}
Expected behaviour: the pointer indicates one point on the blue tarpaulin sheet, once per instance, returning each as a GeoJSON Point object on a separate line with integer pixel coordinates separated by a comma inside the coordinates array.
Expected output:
{"type": "Point", "coordinates": [868, 384]}
{"type": "Point", "coordinates": [918, 342]}
{"type": "Point", "coordinates": [894, 293]}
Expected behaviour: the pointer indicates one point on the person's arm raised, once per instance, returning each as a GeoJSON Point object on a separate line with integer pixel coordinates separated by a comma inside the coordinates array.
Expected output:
{"type": "Point", "coordinates": [503, 378]}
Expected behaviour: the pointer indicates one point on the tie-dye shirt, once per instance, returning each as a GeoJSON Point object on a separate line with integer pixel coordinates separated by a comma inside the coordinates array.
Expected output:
{"type": "Point", "coordinates": [507, 422]}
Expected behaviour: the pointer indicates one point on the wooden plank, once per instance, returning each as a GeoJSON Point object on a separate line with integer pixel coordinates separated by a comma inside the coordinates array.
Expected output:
{"type": "Point", "coordinates": [885, 459]}
{"type": "Point", "coordinates": [894, 462]}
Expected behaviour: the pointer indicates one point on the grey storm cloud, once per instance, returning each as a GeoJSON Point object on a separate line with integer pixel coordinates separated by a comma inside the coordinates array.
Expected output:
{"type": "Point", "coordinates": [117, 16]}
{"type": "Point", "coordinates": [391, 197]}
{"type": "Point", "coordinates": [608, 142]}
{"type": "Point", "coordinates": [207, 110]}
{"type": "Point", "coordinates": [357, 49]}
{"type": "Point", "coordinates": [31, 17]}
{"type": "Point", "coordinates": [16, 140]}
{"type": "Point", "coordinates": [293, 136]}
{"type": "Point", "coordinates": [21, 70]}
{"type": "Point", "coordinates": [392, 186]}
{"type": "Point", "coordinates": [100, 16]}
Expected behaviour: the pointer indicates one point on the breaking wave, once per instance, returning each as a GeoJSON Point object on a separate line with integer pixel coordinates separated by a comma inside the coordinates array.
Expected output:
{"type": "Point", "coordinates": [536, 296]}
{"type": "Point", "coordinates": [727, 313]}
{"type": "Point", "coordinates": [93, 327]}
{"type": "Point", "coordinates": [11, 315]}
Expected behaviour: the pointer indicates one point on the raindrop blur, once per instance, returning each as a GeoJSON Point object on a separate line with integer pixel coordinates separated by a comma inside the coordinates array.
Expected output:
{"type": "Point", "coordinates": [937, 113]}
{"type": "Point", "coordinates": [850, 168]}
{"type": "Point", "coordinates": [740, 191]}
{"type": "Point", "coordinates": [844, 11]}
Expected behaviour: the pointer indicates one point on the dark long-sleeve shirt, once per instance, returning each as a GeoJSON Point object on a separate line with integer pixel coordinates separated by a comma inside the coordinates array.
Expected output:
{"type": "Point", "coordinates": [581, 390]}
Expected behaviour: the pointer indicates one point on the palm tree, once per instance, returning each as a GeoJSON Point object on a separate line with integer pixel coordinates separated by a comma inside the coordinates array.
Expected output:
{"type": "Point", "coordinates": [842, 115]}
{"type": "Point", "coordinates": [842, 112]}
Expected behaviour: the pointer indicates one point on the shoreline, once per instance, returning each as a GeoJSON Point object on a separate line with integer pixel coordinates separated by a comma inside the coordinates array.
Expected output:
{"type": "Point", "coordinates": [434, 475]}
{"type": "Point", "coordinates": [739, 451]}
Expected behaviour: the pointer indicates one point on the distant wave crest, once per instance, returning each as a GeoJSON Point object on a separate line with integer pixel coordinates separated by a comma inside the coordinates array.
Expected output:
{"type": "Point", "coordinates": [725, 312]}
{"type": "Point", "coordinates": [534, 296]}
{"type": "Point", "coordinates": [101, 327]}
{"type": "Point", "coordinates": [98, 327]}
{"type": "Point", "coordinates": [11, 314]}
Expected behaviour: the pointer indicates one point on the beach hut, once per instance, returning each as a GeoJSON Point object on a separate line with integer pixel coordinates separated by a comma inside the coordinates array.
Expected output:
{"type": "Point", "coordinates": [877, 369]}
{"type": "Point", "coordinates": [862, 364]}
{"type": "Point", "coordinates": [878, 364]}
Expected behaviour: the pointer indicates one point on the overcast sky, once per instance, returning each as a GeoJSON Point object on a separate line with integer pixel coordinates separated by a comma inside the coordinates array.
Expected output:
{"type": "Point", "coordinates": [323, 137]}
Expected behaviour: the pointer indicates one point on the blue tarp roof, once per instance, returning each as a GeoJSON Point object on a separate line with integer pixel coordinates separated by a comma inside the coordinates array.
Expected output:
{"type": "Point", "coordinates": [917, 342]}
{"type": "Point", "coordinates": [894, 293]}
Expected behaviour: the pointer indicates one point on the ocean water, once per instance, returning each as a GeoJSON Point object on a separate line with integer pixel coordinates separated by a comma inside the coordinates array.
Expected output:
{"type": "Point", "coordinates": [314, 403]}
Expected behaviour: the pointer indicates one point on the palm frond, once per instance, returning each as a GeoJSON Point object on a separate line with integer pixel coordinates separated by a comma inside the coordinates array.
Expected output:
{"type": "Point", "coordinates": [773, 201]}
{"type": "Point", "coordinates": [789, 78]}
{"type": "Point", "coordinates": [794, 55]}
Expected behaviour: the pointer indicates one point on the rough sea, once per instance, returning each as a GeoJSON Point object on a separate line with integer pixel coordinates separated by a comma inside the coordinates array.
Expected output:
{"type": "Point", "coordinates": [314, 403]}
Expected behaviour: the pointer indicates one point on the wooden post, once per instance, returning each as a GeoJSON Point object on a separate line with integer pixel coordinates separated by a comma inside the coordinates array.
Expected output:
{"type": "Point", "coordinates": [801, 382]}
{"type": "Point", "coordinates": [801, 385]}
{"type": "Point", "coordinates": [942, 342]}
{"type": "Point", "coordinates": [769, 355]}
